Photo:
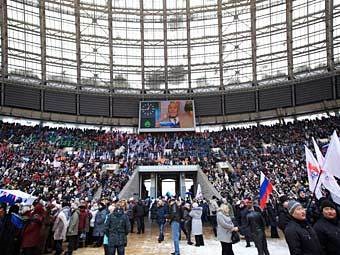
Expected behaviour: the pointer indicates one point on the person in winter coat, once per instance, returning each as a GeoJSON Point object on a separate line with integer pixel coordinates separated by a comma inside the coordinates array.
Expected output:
{"type": "Point", "coordinates": [140, 211]}
{"type": "Point", "coordinates": [84, 225]}
{"type": "Point", "coordinates": [300, 236]}
{"type": "Point", "coordinates": [60, 227]}
{"type": "Point", "coordinates": [213, 207]}
{"type": "Point", "coordinates": [284, 217]}
{"type": "Point", "coordinates": [106, 238]}
{"type": "Point", "coordinates": [328, 229]}
{"type": "Point", "coordinates": [257, 225]}
{"type": "Point", "coordinates": [225, 227]}
{"type": "Point", "coordinates": [72, 232]}
{"type": "Point", "coordinates": [175, 216]}
{"type": "Point", "coordinates": [130, 209]}
{"type": "Point", "coordinates": [93, 210]}
{"type": "Point", "coordinates": [196, 225]}
{"type": "Point", "coordinates": [98, 230]}
{"type": "Point", "coordinates": [187, 222]}
{"type": "Point", "coordinates": [161, 219]}
{"type": "Point", "coordinates": [31, 236]}
{"type": "Point", "coordinates": [3, 214]}
{"type": "Point", "coordinates": [153, 211]}
{"type": "Point", "coordinates": [272, 212]}
{"type": "Point", "coordinates": [117, 227]}
{"type": "Point", "coordinates": [10, 236]}
{"type": "Point", "coordinates": [244, 228]}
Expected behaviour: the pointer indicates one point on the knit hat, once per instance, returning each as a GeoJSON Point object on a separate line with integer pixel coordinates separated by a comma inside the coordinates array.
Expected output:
{"type": "Point", "coordinates": [327, 203]}
{"type": "Point", "coordinates": [292, 205]}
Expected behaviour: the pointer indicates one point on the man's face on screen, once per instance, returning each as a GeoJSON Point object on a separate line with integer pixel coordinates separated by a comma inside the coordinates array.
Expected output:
{"type": "Point", "coordinates": [172, 110]}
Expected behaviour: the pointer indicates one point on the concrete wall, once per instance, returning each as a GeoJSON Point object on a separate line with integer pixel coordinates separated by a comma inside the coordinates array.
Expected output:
{"type": "Point", "coordinates": [131, 189]}
{"type": "Point", "coordinates": [208, 190]}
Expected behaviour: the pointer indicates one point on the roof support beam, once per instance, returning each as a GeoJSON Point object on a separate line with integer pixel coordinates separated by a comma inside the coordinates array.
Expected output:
{"type": "Point", "coordinates": [329, 6]}
{"type": "Point", "coordinates": [142, 44]}
{"type": "Point", "coordinates": [42, 40]}
{"type": "Point", "coordinates": [188, 16]}
{"type": "Point", "coordinates": [289, 30]}
{"type": "Point", "coordinates": [4, 38]}
{"type": "Point", "coordinates": [165, 33]}
{"type": "Point", "coordinates": [220, 45]}
{"type": "Point", "coordinates": [254, 49]}
{"type": "Point", "coordinates": [253, 40]}
{"type": "Point", "coordinates": [78, 52]}
{"type": "Point", "coordinates": [109, 12]}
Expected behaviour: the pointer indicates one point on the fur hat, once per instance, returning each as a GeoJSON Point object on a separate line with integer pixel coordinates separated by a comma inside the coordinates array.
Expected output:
{"type": "Point", "coordinates": [327, 203]}
{"type": "Point", "coordinates": [283, 198]}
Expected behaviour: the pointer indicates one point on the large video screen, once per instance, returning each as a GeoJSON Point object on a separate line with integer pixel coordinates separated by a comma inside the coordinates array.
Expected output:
{"type": "Point", "coordinates": [164, 116]}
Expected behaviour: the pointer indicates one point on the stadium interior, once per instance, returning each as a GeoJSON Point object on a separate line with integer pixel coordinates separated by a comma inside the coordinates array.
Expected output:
{"type": "Point", "coordinates": [106, 102]}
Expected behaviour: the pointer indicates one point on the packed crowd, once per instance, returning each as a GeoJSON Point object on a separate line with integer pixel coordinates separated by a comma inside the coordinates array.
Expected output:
{"type": "Point", "coordinates": [54, 162]}
{"type": "Point", "coordinates": [44, 227]}
{"type": "Point", "coordinates": [65, 169]}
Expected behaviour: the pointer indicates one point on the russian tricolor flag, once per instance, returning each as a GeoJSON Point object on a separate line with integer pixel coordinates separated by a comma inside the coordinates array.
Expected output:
{"type": "Point", "coordinates": [266, 188]}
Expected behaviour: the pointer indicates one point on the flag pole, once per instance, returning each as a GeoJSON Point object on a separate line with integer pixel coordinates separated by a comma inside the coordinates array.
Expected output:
{"type": "Point", "coordinates": [313, 195]}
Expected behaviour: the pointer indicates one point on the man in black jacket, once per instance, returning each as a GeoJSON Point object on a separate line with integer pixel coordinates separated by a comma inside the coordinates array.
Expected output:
{"type": "Point", "coordinates": [256, 224]}
{"type": "Point", "coordinates": [300, 236]}
{"type": "Point", "coordinates": [244, 228]}
{"type": "Point", "coordinates": [140, 211]}
{"type": "Point", "coordinates": [284, 217]}
{"type": "Point", "coordinates": [328, 229]}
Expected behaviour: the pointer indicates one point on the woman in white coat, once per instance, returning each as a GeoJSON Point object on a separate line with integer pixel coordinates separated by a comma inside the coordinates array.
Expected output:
{"type": "Point", "coordinates": [224, 228]}
{"type": "Point", "coordinates": [196, 224]}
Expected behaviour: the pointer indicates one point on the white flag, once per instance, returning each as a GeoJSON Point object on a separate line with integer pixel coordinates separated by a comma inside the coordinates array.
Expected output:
{"type": "Point", "coordinates": [313, 171]}
{"type": "Point", "coordinates": [319, 156]}
{"type": "Point", "coordinates": [327, 178]}
{"type": "Point", "coordinates": [333, 156]}
{"type": "Point", "coordinates": [199, 192]}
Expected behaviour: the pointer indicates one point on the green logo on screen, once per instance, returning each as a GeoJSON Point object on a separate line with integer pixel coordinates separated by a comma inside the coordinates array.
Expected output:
{"type": "Point", "coordinates": [147, 124]}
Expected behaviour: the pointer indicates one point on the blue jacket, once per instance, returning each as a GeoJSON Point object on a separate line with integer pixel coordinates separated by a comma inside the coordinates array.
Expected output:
{"type": "Point", "coordinates": [99, 223]}
{"type": "Point", "coordinates": [161, 214]}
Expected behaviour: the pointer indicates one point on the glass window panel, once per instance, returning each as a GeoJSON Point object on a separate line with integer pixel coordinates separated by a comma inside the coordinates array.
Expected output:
{"type": "Point", "coordinates": [309, 46]}
{"type": "Point", "coordinates": [236, 43]}
{"type": "Point", "coordinates": [24, 52]}
{"type": "Point", "coordinates": [271, 41]}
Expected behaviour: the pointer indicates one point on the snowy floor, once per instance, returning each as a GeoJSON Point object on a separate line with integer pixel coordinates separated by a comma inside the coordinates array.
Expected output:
{"type": "Point", "coordinates": [146, 244]}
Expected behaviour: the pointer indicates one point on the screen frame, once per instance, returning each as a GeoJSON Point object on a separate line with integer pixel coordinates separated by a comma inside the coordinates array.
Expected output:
{"type": "Point", "coordinates": [161, 129]}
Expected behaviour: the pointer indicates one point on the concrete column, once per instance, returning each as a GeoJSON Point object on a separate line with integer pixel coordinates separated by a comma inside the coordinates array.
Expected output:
{"type": "Point", "coordinates": [289, 29]}
{"type": "Point", "coordinates": [4, 46]}
{"type": "Point", "coordinates": [253, 40]}
{"type": "Point", "coordinates": [329, 6]}
{"type": "Point", "coordinates": [188, 16]}
{"type": "Point", "coordinates": [78, 51]}
{"type": "Point", "coordinates": [182, 184]}
{"type": "Point", "coordinates": [165, 33]}
{"type": "Point", "coordinates": [4, 38]}
{"type": "Point", "coordinates": [220, 45]}
{"type": "Point", "coordinates": [153, 190]}
{"type": "Point", "coordinates": [141, 6]}
{"type": "Point", "coordinates": [42, 40]}
{"type": "Point", "coordinates": [109, 8]}
{"type": "Point", "coordinates": [254, 49]}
